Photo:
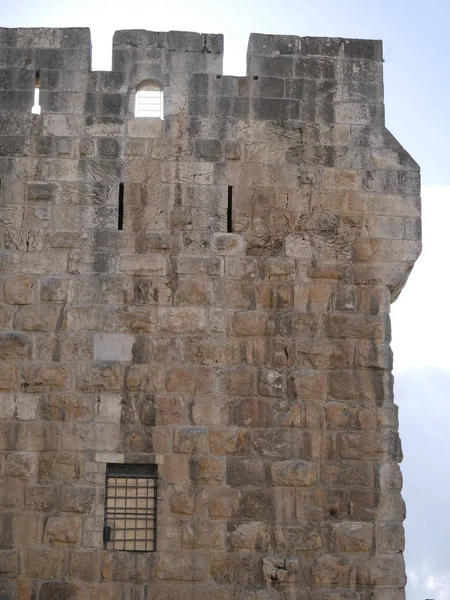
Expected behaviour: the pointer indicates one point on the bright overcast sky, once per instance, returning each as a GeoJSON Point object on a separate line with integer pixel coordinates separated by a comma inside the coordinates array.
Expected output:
{"type": "Point", "coordinates": [416, 38]}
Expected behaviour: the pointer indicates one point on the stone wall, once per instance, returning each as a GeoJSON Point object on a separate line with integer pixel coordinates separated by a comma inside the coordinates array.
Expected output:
{"type": "Point", "coordinates": [252, 366]}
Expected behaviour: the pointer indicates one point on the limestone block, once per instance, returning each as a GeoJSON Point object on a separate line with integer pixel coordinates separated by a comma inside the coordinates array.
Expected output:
{"type": "Point", "coordinates": [46, 563]}
{"type": "Point", "coordinates": [251, 535]}
{"type": "Point", "coordinates": [38, 318]}
{"type": "Point", "coordinates": [109, 408]}
{"type": "Point", "coordinates": [231, 440]}
{"type": "Point", "coordinates": [189, 381]}
{"type": "Point", "coordinates": [84, 564]}
{"type": "Point", "coordinates": [21, 465]}
{"type": "Point", "coordinates": [329, 569]}
{"type": "Point", "coordinates": [62, 466]}
{"type": "Point", "coordinates": [77, 499]}
{"type": "Point", "coordinates": [170, 409]}
{"type": "Point", "coordinates": [259, 504]}
{"type": "Point", "coordinates": [99, 376]}
{"type": "Point", "coordinates": [9, 563]}
{"type": "Point", "coordinates": [9, 376]}
{"type": "Point", "coordinates": [113, 347]}
{"type": "Point", "coordinates": [210, 410]}
{"type": "Point", "coordinates": [182, 566]}
{"type": "Point", "coordinates": [61, 590]}
{"type": "Point", "coordinates": [63, 532]}
{"type": "Point", "coordinates": [353, 537]}
{"type": "Point", "coordinates": [244, 568]}
{"type": "Point", "coordinates": [67, 406]}
{"type": "Point", "coordinates": [82, 319]}
{"type": "Point", "coordinates": [293, 473]}
{"type": "Point", "coordinates": [24, 528]}
{"type": "Point", "coordinates": [225, 502]}
{"type": "Point", "coordinates": [245, 471]}
{"type": "Point", "coordinates": [206, 470]}
{"type": "Point", "coordinates": [307, 384]}
{"type": "Point", "coordinates": [239, 381]}
{"type": "Point", "coordinates": [182, 501]}
{"type": "Point", "coordinates": [11, 496]}
{"type": "Point", "coordinates": [391, 538]}
{"type": "Point", "coordinates": [228, 243]}
{"type": "Point", "coordinates": [191, 440]}
{"type": "Point", "coordinates": [194, 292]}
{"type": "Point", "coordinates": [18, 290]}
{"type": "Point", "coordinates": [22, 407]}
{"type": "Point", "coordinates": [56, 290]}
{"type": "Point", "coordinates": [42, 436]}
{"type": "Point", "coordinates": [183, 320]}
{"type": "Point", "coordinates": [144, 378]}
{"type": "Point", "coordinates": [203, 535]}
{"type": "Point", "coordinates": [43, 498]}
{"type": "Point", "coordinates": [388, 569]}
{"type": "Point", "coordinates": [44, 377]}
{"type": "Point", "coordinates": [278, 569]}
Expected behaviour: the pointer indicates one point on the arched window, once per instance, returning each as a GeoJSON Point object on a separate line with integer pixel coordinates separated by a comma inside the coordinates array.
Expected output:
{"type": "Point", "coordinates": [149, 100]}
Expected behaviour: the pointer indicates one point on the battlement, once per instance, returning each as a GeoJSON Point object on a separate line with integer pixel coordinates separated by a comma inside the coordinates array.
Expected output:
{"type": "Point", "coordinates": [288, 77]}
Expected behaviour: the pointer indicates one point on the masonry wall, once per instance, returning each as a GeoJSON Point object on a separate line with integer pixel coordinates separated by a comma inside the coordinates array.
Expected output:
{"type": "Point", "coordinates": [253, 366]}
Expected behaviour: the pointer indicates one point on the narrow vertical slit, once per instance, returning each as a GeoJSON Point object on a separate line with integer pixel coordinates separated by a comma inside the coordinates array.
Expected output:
{"type": "Point", "coordinates": [36, 108]}
{"type": "Point", "coordinates": [230, 210]}
{"type": "Point", "coordinates": [120, 217]}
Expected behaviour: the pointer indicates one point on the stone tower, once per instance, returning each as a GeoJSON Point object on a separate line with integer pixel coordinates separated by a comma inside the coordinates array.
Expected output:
{"type": "Point", "coordinates": [196, 391]}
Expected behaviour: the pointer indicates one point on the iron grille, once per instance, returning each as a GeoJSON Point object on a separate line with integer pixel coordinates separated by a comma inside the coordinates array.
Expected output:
{"type": "Point", "coordinates": [130, 508]}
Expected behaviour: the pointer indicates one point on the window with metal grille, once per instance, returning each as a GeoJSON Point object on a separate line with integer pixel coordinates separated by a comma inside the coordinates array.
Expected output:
{"type": "Point", "coordinates": [149, 101]}
{"type": "Point", "coordinates": [130, 508]}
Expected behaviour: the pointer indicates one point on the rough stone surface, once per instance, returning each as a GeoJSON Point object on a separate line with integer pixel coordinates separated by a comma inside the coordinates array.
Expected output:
{"type": "Point", "coordinates": [208, 292]}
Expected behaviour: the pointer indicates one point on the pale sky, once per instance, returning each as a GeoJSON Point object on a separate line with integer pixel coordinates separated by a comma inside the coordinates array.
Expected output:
{"type": "Point", "coordinates": [416, 51]}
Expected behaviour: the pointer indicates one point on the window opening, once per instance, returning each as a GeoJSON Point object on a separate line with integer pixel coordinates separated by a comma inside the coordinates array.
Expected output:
{"type": "Point", "coordinates": [120, 212]}
{"type": "Point", "coordinates": [36, 108]}
{"type": "Point", "coordinates": [149, 101]}
{"type": "Point", "coordinates": [230, 210]}
{"type": "Point", "coordinates": [130, 508]}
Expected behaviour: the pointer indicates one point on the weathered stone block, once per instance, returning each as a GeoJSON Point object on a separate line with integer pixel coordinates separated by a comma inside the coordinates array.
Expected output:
{"type": "Point", "coordinates": [253, 535]}
{"type": "Point", "coordinates": [245, 471]}
{"type": "Point", "coordinates": [18, 290]}
{"type": "Point", "coordinates": [204, 535]}
{"type": "Point", "coordinates": [63, 532]}
{"type": "Point", "coordinates": [84, 564]}
{"type": "Point", "coordinates": [38, 318]}
{"type": "Point", "coordinates": [182, 566]}
{"type": "Point", "coordinates": [191, 440]}
{"type": "Point", "coordinates": [225, 502]}
{"type": "Point", "coordinates": [44, 378]}
{"type": "Point", "coordinates": [353, 537]}
{"type": "Point", "coordinates": [61, 590]}
{"type": "Point", "coordinates": [77, 499]}
{"type": "Point", "coordinates": [293, 473]}
{"type": "Point", "coordinates": [9, 563]}
{"type": "Point", "coordinates": [43, 498]}
{"type": "Point", "coordinates": [46, 563]}
{"type": "Point", "coordinates": [205, 470]}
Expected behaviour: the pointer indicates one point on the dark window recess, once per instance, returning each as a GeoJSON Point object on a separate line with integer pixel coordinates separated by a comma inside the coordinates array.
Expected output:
{"type": "Point", "coordinates": [230, 210]}
{"type": "Point", "coordinates": [120, 214]}
{"type": "Point", "coordinates": [130, 508]}
{"type": "Point", "coordinates": [36, 108]}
